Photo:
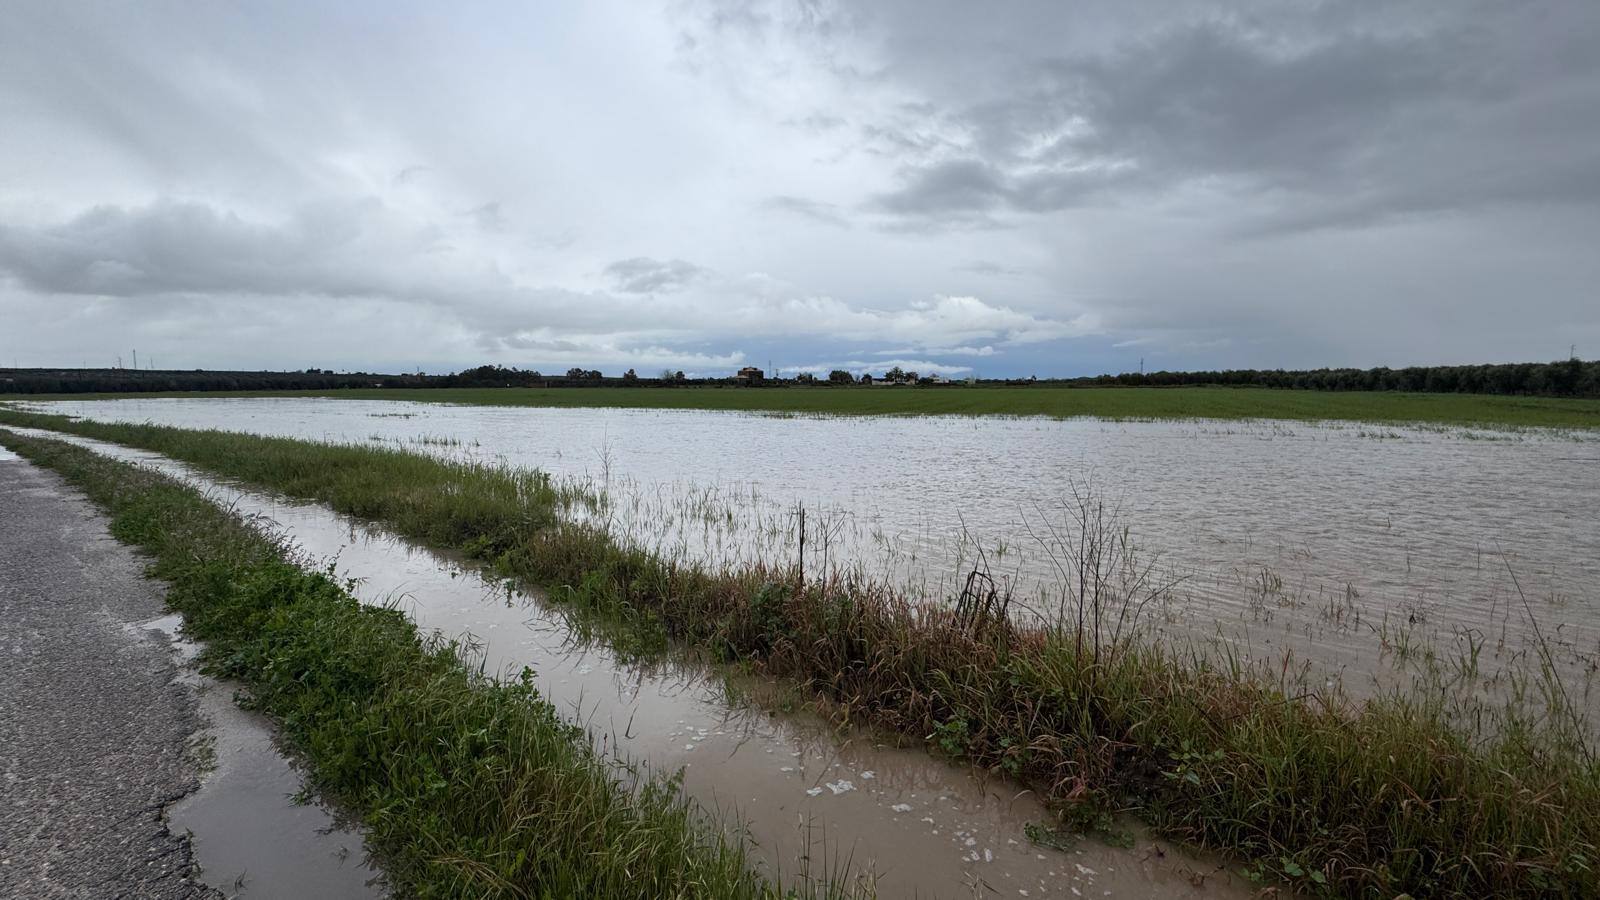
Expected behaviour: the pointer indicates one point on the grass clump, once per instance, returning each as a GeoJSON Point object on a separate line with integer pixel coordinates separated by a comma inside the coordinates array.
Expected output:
{"type": "Point", "coordinates": [468, 787]}
{"type": "Point", "coordinates": [1431, 791]}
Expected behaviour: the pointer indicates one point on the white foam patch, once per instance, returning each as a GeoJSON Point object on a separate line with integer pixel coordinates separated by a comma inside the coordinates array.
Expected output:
{"type": "Point", "coordinates": [8, 456]}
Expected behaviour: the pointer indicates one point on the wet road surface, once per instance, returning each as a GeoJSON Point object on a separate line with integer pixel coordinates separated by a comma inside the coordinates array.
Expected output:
{"type": "Point", "coordinates": [94, 728]}
{"type": "Point", "coordinates": [102, 724]}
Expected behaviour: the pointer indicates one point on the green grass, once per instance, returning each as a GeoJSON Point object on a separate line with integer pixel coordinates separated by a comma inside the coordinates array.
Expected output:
{"type": "Point", "coordinates": [468, 787]}
{"type": "Point", "coordinates": [1059, 402]}
{"type": "Point", "coordinates": [1432, 790]}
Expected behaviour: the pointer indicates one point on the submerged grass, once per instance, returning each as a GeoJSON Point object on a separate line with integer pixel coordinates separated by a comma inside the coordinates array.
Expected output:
{"type": "Point", "coordinates": [468, 787]}
{"type": "Point", "coordinates": [1494, 411]}
{"type": "Point", "coordinates": [1393, 795]}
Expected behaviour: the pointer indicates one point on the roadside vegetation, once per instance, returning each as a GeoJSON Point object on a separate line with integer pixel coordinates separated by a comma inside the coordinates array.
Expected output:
{"type": "Point", "coordinates": [1483, 410]}
{"type": "Point", "coordinates": [467, 786]}
{"type": "Point", "coordinates": [1432, 790]}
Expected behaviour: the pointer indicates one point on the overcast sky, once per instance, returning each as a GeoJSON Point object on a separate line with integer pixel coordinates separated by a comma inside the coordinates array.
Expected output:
{"type": "Point", "coordinates": [1046, 188]}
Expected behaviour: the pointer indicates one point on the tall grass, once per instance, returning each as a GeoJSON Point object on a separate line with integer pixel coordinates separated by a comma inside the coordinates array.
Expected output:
{"type": "Point", "coordinates": [468, 787]}
{"type": "Point", "coordinates": [1431, 790]}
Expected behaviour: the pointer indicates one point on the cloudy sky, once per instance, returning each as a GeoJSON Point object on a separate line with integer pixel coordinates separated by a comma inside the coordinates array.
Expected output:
{"type": "Point", "coordinates": [1007, 188]}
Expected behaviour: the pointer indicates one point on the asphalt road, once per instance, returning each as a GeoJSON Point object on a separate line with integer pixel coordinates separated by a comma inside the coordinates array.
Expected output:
{"type": "Point", "coordinates": [94, 728]}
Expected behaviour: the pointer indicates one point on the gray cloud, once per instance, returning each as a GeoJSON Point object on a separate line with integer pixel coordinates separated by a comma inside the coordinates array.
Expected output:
{"type": "Point", "coordinates": [990, 268]}
{"type": "Point", "coordinates": [642, 275]}
{"type": "Point", "coordinates": [489, 217]}
{"type": "Point", "coordinates": [815, 210]}
{"type": "Point", "coordinates": [177, 259]}
{"type": "Point", "coordinates": [954, 186]}
{"type": "Point", "coordinates": [1048, 187]}
{"type": "Point", "coordinates": [1351, 123]}
{"type": "Point", "coordinates": [192, 248]}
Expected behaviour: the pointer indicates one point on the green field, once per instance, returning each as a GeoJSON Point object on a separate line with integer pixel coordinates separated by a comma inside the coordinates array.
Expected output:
{"type": "Point", "coordinates": [1059, 402]}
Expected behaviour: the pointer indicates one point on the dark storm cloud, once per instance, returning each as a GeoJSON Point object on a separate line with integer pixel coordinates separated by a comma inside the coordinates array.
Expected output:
{"type": "Point", "coordinates": [1297, 127]}
{"type": "Point", "coordinates": [955, 186]}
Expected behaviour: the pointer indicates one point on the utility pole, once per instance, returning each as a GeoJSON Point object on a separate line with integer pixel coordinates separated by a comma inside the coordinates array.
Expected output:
{"type": "Point", "coordinates": [136, 359]}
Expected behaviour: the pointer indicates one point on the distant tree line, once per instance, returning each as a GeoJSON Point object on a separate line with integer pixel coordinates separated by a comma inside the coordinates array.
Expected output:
{"type": "Point", "coordinates": [1566, 378]}
{"type": "Point", "coordinates": [133, 381]}
{"type": "Point", "coordinates": [119, 381]}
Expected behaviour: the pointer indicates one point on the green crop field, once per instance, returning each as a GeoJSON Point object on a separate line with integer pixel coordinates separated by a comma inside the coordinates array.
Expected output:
{"type": "Point", "coordinates": [1061, 402]}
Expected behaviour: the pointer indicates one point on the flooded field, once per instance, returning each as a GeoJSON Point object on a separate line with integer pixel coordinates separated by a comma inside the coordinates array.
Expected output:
{"type": "Point", "coordinates": [813, 802]}
{"type": "Point", "coordinates": [1339, 542]}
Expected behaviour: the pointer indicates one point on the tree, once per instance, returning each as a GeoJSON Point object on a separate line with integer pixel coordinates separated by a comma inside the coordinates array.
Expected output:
{"type": "Point", "coordinates": [630, 376]}
{"type": "Point", "coordinates": [894, 374]}
{"type": "Point", "coordinates": [576, 372]}
{"type": "Point", "coordinates": [840, 376]}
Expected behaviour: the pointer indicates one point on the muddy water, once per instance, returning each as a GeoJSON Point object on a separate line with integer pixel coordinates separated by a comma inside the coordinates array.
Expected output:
{"type": "Point", "coordinates": [250, 836]}
{"type": "Point", "coordinates": [1321, 539]}
{"type": "Point", "coordinates": [812, 802]}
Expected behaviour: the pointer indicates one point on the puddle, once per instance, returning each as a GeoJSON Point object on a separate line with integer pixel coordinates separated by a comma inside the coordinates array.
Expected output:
{"type": "Point", "coordinates": [914, 825]}
{"type": "Point", "coordinates": [250, 837]}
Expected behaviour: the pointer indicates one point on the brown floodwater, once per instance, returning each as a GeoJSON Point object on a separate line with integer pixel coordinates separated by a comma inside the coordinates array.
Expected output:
{"type": "Point", "coordinates": [252, 835]}
{"type": "Point", "coordinates": [813, 801]}
{"type": "Point", "coordinates": [1335, 542]}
